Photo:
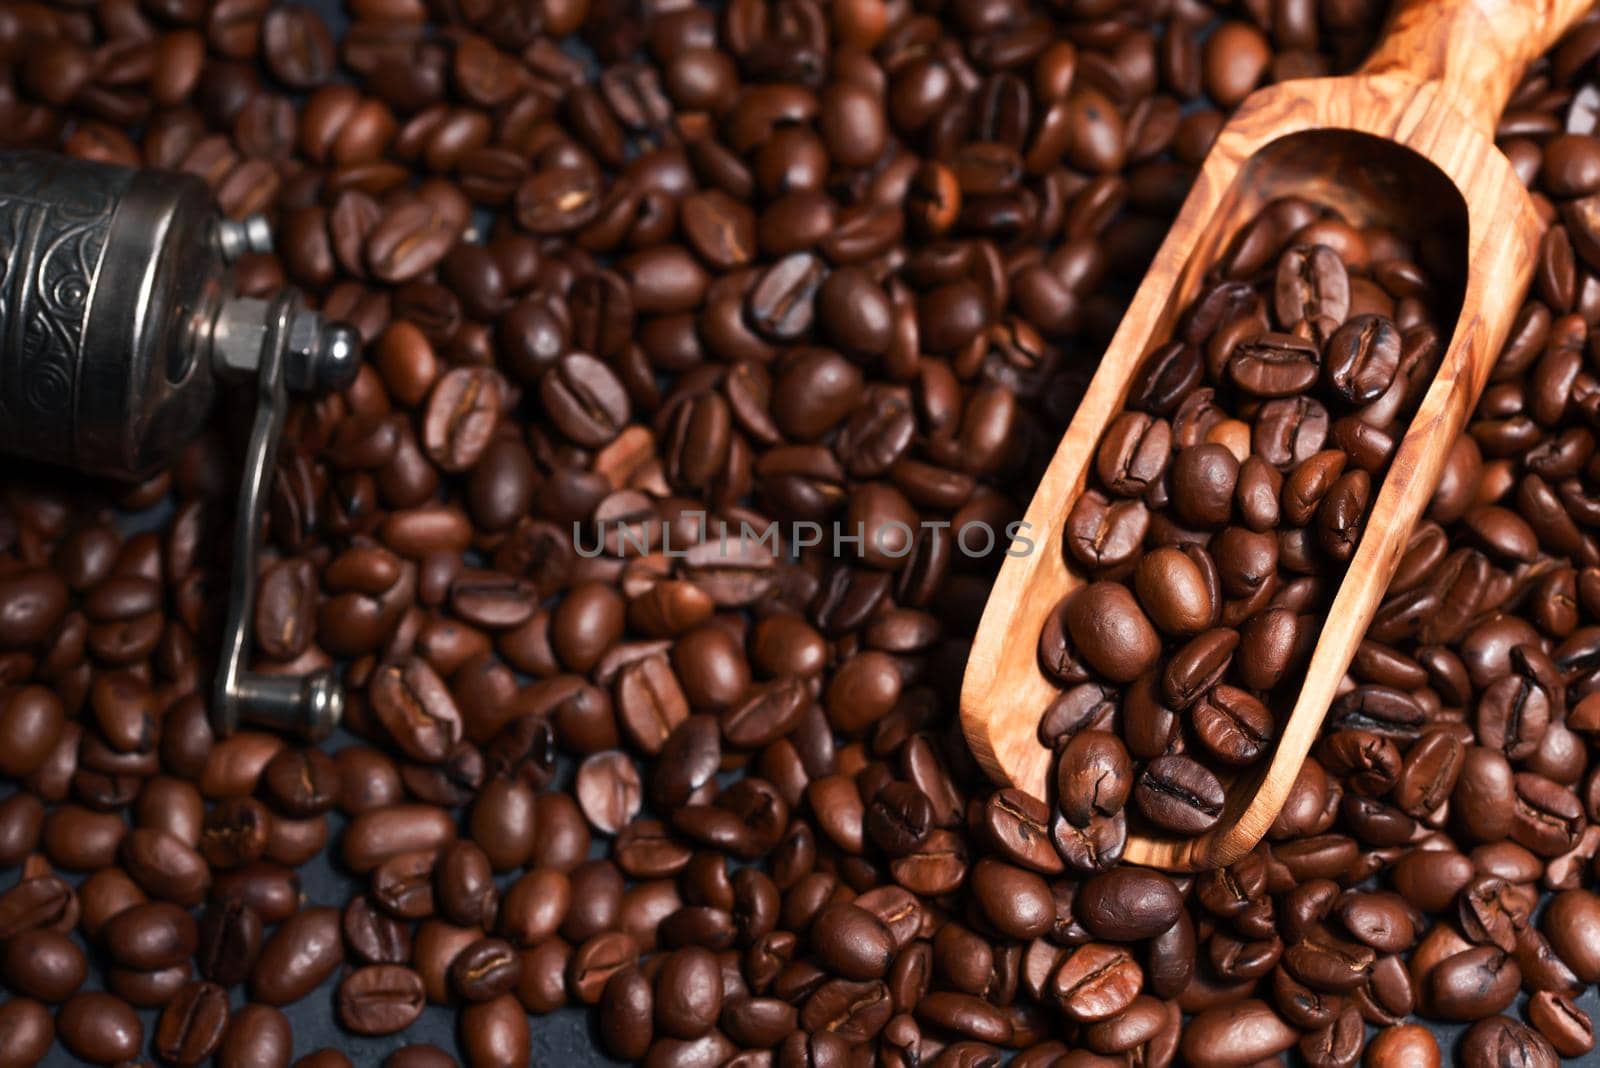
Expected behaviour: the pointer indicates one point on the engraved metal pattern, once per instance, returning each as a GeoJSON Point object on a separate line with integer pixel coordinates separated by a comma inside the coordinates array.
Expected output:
{"type": "Point", "coordinates": [54, 219]}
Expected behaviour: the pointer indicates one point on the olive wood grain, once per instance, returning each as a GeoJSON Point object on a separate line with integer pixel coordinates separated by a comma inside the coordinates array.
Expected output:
{"type": "Point", "coordinates": [1406, 142]}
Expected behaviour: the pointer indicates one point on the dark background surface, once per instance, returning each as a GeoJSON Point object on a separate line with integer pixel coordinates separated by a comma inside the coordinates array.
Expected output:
{"type": "Point", "coordinates": [566, 1037]}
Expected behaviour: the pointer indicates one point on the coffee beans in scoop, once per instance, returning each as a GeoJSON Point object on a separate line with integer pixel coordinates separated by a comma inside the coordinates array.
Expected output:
{"type": "Point", "coordinates": [1227, 498]}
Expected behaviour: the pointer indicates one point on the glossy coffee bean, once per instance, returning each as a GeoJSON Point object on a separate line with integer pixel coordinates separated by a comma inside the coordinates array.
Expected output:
{"type": "Point", "coordinates": [1111, 632]}
{"type": "Point", "coordinates": [100, 1028]}
{"type": "Point", "coordinates": [1179, 794]}
{"type": "Point", "coordinates": [191, 1026]}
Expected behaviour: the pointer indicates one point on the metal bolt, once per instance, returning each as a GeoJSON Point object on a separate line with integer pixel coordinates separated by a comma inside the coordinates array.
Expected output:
{"type": "Point", "coordinates": [236, 237]}
{"type": "Point", "coordinates": [322, 357]}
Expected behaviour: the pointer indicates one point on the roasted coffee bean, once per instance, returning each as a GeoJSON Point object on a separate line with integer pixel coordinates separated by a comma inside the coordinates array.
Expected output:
{"type": "Point", "coordinates": [584, 399]}
{"type": "Point", "coordinates": [1567, 1027]}
{"type": "Point", "coordinates": [780, 305]}
{"type": "Point", "coordinates": [1432, 768]}
{"type": "Point", "coordinates": [151, 935]}
{"type": "Point", "coordinates": [1363, 358]}
{"type": "Point", "coordinates": [1274, 365]}
{"type": "Point", "coordinates": [301, 783]}
{"type": "Point", "coordinates": [229, 939]}
{"type": "Point", "coordinates": [1197, 666]}
{"type": "Point", "coordinates": [689, 759]}
{"type": "Point", "coordinates": [495, 1033]}
{"type": "Point", "coordinates": [1240, 1033]}
{"type": "Point", "coordinates": [165, 867]}
{"type": "Point", "coordinates": [1203, 479]}
{"type": "Point", "coordinates": [1175, 592]}
{"type": "Point", "coordinates": [379, 999]}
{"type": "Point", "coordinates": [1096, 981]}
{"type": "Point", "coordinates": [297, 46]}
{"type": "Point", "coordinates": [1106, 533]}
{"type": "Point", "coordinates": [416, 709]}
{"type": "Point", "coordinates": [100, 1028]}
{"type": "Point", "coordinates": [43, 964]}
{"type": "Point", "coordinates": [1133, 453]}
{"type": "Point", "coordinates": [463, 410]}
{"type": "Point", "coordinates": [1088, 705]}
{"type": "Point", "coordinates": [1337, 1043]}
{"type": "Point", "coordinates": [1179, 794]}
{"type": "Point", "coordinates": [1127, 904]}
{"type": "Point", "coordinates": [938, 864]}
{"type": "Point", "coordinates": [964, 1014]}
{"type": "Point", "coordinates": [304, 950]}
{"type": "Point", "coordinates": [236, 832]}
{"type": "Point", "coordinates": [1403, 1044]}
{"type": "Point", "coordinates": [899, 818]}
{"type": "Point", "coordinates": [1513, 715]}
{"type": "Point", "coordinates": [27, 1029]}
{"type": "Point", "coordinates": [851, 1010]}
{"type": "Point", "coordinates": [1473, 984]}
{"type": "Point", "coordinates": [1166, 376]}
{"type": "Point", "coordinates": [1548, 818]}
{"type": "Point", "coordinates": [851, 942]}
{"type": "Point", "coordinates": [1018, 826]}
{"type": "Point", "coordinates": [486, 969]}
{"type": "Point", "coordinates": [1110, 632]}
{"type": "Point", "coordinates": [191, 1026]}
{"type": "Point", "coordinates": [609, 791]}
{"type": "Point", "coordinates": [1233, 726]}
{"type": "Point", "coordinates": [1311, 283]}
{"type": "Point", "coordinates": [257, 1034]}
{"type": "Point", "coordinates": [1093, 776]}
{"type": "Point", "coordinates": [1497, 1040]}
{"type": "Point", "coordinates": [373, 935]}
{"type": "Point", "coordinates": [1015, 901]}
{"type": "Point", "coordinates": [1567, 923]}
{"type": "Point", "coordinates": [688, 993]}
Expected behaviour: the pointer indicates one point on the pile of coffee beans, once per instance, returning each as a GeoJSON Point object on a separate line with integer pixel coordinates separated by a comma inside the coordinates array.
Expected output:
{"type": "Point", "coordinates": [1227, 499]}
{"type": "Point", "coordinates": [629, 270]}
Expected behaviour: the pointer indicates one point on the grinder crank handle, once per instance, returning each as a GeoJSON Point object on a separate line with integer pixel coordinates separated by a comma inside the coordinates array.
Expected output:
{"type": "Point", "coordinates": [289, 346]}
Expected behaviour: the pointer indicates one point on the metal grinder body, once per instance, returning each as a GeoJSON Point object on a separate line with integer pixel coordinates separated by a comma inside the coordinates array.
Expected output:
{"type": "Point", "coordinates": [119, 325]}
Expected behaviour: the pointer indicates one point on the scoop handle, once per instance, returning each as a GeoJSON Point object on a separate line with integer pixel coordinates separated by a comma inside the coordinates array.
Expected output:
{"type": "Point", "coordinates": [1476, 50]}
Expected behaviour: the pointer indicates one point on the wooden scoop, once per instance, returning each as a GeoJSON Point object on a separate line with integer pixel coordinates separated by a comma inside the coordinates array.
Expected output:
{"type": "Point", "coordinates": [1406, 143]}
